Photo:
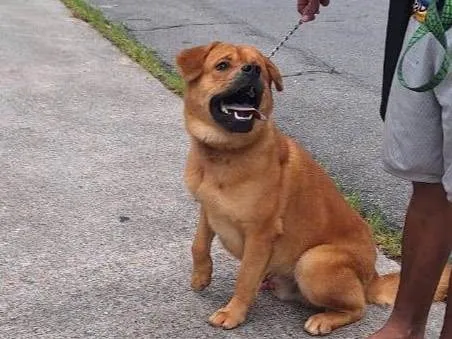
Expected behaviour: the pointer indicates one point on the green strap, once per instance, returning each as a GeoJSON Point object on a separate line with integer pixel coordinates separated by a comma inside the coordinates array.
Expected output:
{"type": "Point", "coordinates": [437, 24]}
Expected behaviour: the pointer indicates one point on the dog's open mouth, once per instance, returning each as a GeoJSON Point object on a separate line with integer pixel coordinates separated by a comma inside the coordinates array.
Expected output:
{"type": "Point", "coordinates": [236, 109]}
{"type": "Point", "coordinates": [243, 104]}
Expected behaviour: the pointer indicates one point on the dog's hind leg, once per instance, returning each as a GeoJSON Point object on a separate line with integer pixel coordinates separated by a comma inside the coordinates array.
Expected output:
{"type": "Point", "coordinates": [327, 280]}
{"type": "Point", "coordinates": [202, 261]}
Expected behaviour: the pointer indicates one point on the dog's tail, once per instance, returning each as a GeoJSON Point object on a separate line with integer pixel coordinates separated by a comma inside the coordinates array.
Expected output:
{"type": "Point", "coordinates": [383, 289]}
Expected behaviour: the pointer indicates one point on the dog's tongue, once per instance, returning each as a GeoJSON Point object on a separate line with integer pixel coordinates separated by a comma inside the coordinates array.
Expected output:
{"type": "Point", "coordinates": [248, 109]}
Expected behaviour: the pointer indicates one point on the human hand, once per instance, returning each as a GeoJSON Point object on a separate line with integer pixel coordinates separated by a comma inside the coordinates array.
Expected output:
{"type": "Point", "coordinates": [309, 8]}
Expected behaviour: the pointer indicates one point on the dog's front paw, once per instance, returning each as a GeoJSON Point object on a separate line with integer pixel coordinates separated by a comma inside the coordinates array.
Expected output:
{"type": "Point", "coordinates": [227, 318]}
{"type": "Point", "coordinates": [200, 280]}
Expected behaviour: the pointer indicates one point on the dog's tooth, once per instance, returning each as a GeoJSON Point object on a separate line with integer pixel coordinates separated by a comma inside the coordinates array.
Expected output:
{"type": "Point", "coordinates": [240, 108]}
{"type": "Point", "coordinates": [224, 109]}
{"type": "Point", "coordinates": [238, 117]}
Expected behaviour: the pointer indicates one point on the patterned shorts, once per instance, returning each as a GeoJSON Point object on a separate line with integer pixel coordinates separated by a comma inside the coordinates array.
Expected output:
{"type": "Point", "coordinates": [418, 126]}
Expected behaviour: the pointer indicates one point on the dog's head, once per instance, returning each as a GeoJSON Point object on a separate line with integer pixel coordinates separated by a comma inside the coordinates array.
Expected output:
{"type": "Point", "coordinates": [228, 97]}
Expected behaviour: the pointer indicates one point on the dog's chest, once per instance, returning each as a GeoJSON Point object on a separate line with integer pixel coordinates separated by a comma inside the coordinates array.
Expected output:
{"type": "Point", "coordinates": [229, 233]}
{"type": "Point", "coordinates": [237, 202]}
{"type": "Point", "coordinates": [229, 211]}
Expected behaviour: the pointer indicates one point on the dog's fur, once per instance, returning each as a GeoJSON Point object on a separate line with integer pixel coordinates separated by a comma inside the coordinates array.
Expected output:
{"type": "Point", "coordinates": [272, 206]}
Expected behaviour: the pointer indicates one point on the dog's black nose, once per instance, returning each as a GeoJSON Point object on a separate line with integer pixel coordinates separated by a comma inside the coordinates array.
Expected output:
{"type": "Point", "coordinates": [251, 69]}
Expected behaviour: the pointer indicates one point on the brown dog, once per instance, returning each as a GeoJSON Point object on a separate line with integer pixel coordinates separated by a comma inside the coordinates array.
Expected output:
{"type": "Point", "coordinates": [271, 205]}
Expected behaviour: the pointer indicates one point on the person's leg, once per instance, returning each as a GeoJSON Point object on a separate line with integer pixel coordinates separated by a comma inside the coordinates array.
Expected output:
{"type": "Point", "coordinates": [414, 145]}
{"type": "Point", "coordinates": [425, 249]}
{"type": "Point", "coordinates": [447, 327]}
{"type": "Point", "coordinates": [444, 94]}
{"type": "Point", "coordinates": [418, 146]}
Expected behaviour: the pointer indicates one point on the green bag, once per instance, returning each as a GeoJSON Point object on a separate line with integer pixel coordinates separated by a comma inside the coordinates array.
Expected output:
{"type": "Point", "coordinates": [437, 24]}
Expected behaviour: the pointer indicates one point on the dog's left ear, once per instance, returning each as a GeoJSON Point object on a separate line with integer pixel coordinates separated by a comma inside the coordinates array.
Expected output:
{"type": "Point", "coordinates": [190, 61]}
{"type": "Point", "coordinates": [275, 76]}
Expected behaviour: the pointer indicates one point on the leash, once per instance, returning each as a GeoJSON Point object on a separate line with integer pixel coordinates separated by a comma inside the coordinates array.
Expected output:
{"type": "Point", "coordinates": [283, 41]}
{"type": "Point", "coordinates": [437, 24]}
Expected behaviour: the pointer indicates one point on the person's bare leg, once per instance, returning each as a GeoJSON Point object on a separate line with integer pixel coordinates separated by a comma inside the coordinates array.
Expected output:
{"type": "Point", "coordinates": [447, 327]}
{"type": "Point", "coordinates": [426, 246]}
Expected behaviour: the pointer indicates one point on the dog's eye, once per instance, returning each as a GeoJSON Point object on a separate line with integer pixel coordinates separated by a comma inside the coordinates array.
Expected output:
{"type": "Point", "coordinates": [222, 66]}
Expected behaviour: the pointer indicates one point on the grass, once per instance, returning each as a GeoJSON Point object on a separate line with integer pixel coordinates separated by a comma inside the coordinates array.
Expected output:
{"type": "Point", "coordinates": [388, 239]}
{"type": "Point", "coordinates": [118, 35]}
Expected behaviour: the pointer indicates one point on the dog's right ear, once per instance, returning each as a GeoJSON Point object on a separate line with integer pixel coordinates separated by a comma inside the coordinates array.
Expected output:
{"type": "Point", "coordinates": [190, 61]}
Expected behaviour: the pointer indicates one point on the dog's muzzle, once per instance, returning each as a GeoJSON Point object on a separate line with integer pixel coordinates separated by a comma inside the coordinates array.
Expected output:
{"type": "Point", "coordinates": [236, 108]}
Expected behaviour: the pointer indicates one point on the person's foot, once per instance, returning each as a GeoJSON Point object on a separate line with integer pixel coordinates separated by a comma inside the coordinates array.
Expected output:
{"type": "Point", "coordinates": [396, 331]}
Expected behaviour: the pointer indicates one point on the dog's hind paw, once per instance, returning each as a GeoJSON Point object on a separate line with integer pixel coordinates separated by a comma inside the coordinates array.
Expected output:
{"type": "Point", "coordinates": [318, 324]}
{"type": "Point", "coordinates": [324, 323]}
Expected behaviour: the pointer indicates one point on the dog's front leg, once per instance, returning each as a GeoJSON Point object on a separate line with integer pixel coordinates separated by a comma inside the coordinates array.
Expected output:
{"type": "Point", "coordinates": [256, 254]}
{"type": "Point", "coordinates": [202, 262]}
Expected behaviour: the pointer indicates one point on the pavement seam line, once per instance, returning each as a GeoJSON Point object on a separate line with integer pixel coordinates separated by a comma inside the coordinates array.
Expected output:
{"type": "Point", "coordinates": [162, 28]}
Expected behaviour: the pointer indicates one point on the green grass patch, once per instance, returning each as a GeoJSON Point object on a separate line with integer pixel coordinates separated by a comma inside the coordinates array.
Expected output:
{"type": "Point", "coordinates": [388, 239]}
{"type": "Point", "coordinates": [118, 35]}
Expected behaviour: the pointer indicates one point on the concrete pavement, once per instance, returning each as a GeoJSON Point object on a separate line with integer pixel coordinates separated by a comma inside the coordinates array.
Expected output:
{"type": "Point", "coordinates": [95, 223]}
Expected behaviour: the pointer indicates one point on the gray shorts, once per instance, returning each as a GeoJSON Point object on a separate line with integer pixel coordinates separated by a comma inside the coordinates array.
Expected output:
{"type": "Point", "coordinates": [418, 126]}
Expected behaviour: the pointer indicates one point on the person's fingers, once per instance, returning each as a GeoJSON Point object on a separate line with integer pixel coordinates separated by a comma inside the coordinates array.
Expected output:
{"type": "Point", "coordinates": [306, 18]}
{"type": "Point", "coordinates": [311, 9]}
{"type": "Point", "coordinates": [301, 4]}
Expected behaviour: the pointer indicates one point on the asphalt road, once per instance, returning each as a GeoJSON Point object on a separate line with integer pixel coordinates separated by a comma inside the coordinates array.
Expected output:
{"type": "Point", "coordinates": [333, 68]}
{"type": "Point", "coordinates": [96, 225]}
